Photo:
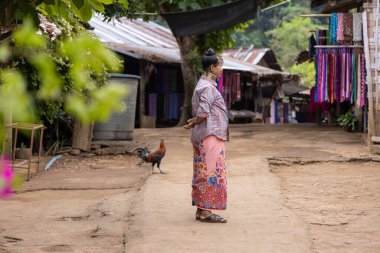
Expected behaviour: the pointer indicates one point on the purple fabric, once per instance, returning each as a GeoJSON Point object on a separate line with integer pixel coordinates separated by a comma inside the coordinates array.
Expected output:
{"type": "Point", "coordinates": [152, 104]}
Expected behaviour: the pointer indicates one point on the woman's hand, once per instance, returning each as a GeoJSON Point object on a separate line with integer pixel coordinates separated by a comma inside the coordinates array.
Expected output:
{"type": "Point", "coordinates": [190, 124]}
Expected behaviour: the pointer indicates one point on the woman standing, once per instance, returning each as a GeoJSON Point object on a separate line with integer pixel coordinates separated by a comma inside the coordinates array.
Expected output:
{"type": "Point", "coordinates": [210, 130]}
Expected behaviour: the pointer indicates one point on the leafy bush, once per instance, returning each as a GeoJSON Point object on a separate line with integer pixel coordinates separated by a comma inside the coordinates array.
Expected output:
{"type": "Point", "coordinates": [348, 121]}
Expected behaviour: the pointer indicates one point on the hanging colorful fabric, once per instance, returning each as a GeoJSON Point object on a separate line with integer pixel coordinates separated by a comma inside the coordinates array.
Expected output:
{"type": "Point", "coordinates": [357, 27]}
{"type": "Point", "coordinates": [331, 77]}
{"type": "Point", "coordinates": [363, 84]}
{"type": "Point", "coordinates": [339, 34]}
{"type": "Point", "coordinates": [333, 27]}
{"type": "Point", "coordinates": [354, 79]}
{"type": "Point", "coordinates": [358, 81]}
{"type": "Point", "coordinates": [348, 29]}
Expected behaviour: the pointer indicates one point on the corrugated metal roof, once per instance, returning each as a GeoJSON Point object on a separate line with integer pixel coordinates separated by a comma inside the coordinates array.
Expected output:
{"type": "Point", "coordinates": [137, 38]}
{"type": "Point", "coordinates": [133, 32]}
{"type": "Point", "coordinates": [253, 55]}
{"type": "Point", "coordinates": [156, 43]}
{"type": "Point", "coordinates": [231, 63]}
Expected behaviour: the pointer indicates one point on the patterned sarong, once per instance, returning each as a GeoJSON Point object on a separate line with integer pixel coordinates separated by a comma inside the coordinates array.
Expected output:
{"type": "Point", "coordinates": [209, 178]}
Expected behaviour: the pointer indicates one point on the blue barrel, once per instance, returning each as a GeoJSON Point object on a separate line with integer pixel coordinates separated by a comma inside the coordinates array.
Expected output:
{"type": "Point", "coordinates": [120, 126]}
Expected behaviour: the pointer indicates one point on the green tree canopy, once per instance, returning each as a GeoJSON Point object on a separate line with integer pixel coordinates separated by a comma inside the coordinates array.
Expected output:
{"type": "Point", "coordinates": [289, 39]}
{"type": "Point", "coordinates": [307, 72]}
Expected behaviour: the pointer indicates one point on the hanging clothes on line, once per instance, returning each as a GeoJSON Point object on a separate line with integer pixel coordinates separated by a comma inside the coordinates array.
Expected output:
{"type": "Point", "coordinates": [357, 20]}
{"type": "Point", "coordinates": [312, 43]}
{"type": "Point", "coordinates": [348, 28]}
{"type": "Point", "coordinates": [345, 28]}
{"type": "Point", "coordinates": [340, 76]}
{"type": "Point", "coordinates": [333, 27]}
{"type": "Point", "coordinates": [231, 91]}
{"type": "Point", "coordinates": [340, 27]}
{"type": "Point", "coordinates": [321, 37]}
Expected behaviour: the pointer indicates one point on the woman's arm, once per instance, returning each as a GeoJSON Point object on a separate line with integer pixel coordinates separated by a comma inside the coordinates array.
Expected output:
{"type": "Point", "coordinates": [194, 121]}
{"type": "Point", "coordinates": [205, 101]}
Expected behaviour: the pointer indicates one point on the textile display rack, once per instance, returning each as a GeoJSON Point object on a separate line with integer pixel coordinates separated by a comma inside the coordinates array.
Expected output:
{"type": "Point", "coordinates": [338, 46]}
{"type": "Point", "coordinates": [315, 15]}
{"type": "Point", "coordinates": [339, 60]}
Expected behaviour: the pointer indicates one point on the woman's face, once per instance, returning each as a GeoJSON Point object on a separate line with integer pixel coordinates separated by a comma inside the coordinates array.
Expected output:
{"type": "Point", "coordinates": [217, 70]}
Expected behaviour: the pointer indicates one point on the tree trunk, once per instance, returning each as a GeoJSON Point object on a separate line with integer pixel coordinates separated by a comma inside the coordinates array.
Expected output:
{"type": "Point", "coordinates": [186, 47]}
{"type": "Point", "coordinates": [82, 136]}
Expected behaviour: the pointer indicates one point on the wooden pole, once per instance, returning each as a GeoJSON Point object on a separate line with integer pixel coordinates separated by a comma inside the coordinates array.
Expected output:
{"type": "Point", "coordinates": [371, 115]}
{"type": "Point", "coordinates": [143, 65]}
{"type": "Point", "coordinates": [7, 141]}
{"type": "Point", "coordinates": [315, 15]}
{"type": "Point", "coordinates": [338, 46]}
{"type": "Point", "coordinates": [377, 68]}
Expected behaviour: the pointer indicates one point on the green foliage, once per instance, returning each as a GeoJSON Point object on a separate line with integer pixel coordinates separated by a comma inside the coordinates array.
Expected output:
{"type": "Point", "coordinates": [83, 9]}
{"type": "Point", "coordinates": [14, 97]}
{"type": "Point", "coordinates": [281, 29]}
{"type": "Point", "coordinates": [348, 121]}
{"type": "Point", "coordinates": [43, 62]}
{"type": "Point", "coordinates": [290, 38]}
{"type": "Point", "coordinates": [218, 40]}
{"type": "Point", "coordinates": [307, 72]}
{"type": "Point", "coordinates": [269, 20]}
{"type": "Point", "coordinates": [26, 37]}
{"type": "Point", "coordinates": [14, 11]}
{"type": "Point", "coordinates": [4, 53]}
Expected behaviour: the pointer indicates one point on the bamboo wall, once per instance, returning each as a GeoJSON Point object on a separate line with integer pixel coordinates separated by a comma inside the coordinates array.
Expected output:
{"type": "Point", "coordinates": [372, 47]}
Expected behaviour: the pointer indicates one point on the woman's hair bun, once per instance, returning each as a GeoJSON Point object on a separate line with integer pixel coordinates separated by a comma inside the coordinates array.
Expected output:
{"type": "Point", "coordinates": [210, 52]}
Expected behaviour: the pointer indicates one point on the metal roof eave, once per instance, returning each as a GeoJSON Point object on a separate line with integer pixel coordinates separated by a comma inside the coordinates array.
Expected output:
{"type": "Point", "coordinates": [153, 54]}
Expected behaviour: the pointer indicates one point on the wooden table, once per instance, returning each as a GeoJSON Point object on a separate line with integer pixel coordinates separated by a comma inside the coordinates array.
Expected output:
{"type": "Point", "coordinates": [33, 128]}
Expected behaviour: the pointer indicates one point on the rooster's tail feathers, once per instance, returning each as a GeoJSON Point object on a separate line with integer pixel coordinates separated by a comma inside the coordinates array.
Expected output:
{"type": "Point", "coordinates": [140, 152]}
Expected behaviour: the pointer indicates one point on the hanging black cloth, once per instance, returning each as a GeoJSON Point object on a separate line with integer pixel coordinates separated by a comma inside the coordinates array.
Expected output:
{"type": "Point", "coordinates": [211, 19]}
{"type": "Point", "coordinates": [312, 43]}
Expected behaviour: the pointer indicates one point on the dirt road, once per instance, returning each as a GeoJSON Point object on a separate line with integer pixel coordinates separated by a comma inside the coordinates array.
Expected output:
{"type": "Point", "coordinates": [291, 189]}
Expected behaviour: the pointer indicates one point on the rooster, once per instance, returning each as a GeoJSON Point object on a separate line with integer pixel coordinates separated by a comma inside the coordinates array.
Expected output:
{"type": "Point", "coordinates": [154, 157]}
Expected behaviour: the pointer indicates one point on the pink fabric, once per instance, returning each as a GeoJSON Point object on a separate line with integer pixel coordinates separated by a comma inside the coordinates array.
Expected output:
{"type": "Point", "coordinates": [209, 185]}
{"type": "Point", "coordinates": [340, 34]}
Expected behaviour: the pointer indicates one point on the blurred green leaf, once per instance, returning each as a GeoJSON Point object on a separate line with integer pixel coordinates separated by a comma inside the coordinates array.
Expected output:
{"type": "Point", "coordinates": [99, 105]}
{"type": "Point", "coordinates": [84, 12]}
{"type": "Point", "coordinates": [78, 3]}
{"type": "Point", "coordinates": [14, 96]}
{"type": "Point", "coordinates": [5, 53]}
{"type": "Point", "coordinates": [125, 3]}
{"type": "Point", "coordinates": [66, 73]}
{"type": "Point", "coordinates": [98, 6]}
{"type": "Point", "coordinates": [17, 182]}
{"type": "Point", "coordinates": [51, 82]}
{"type": "Point", "coordinates": [105, 1]}
{"type": "Point", "coordinates": [27, 36]}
